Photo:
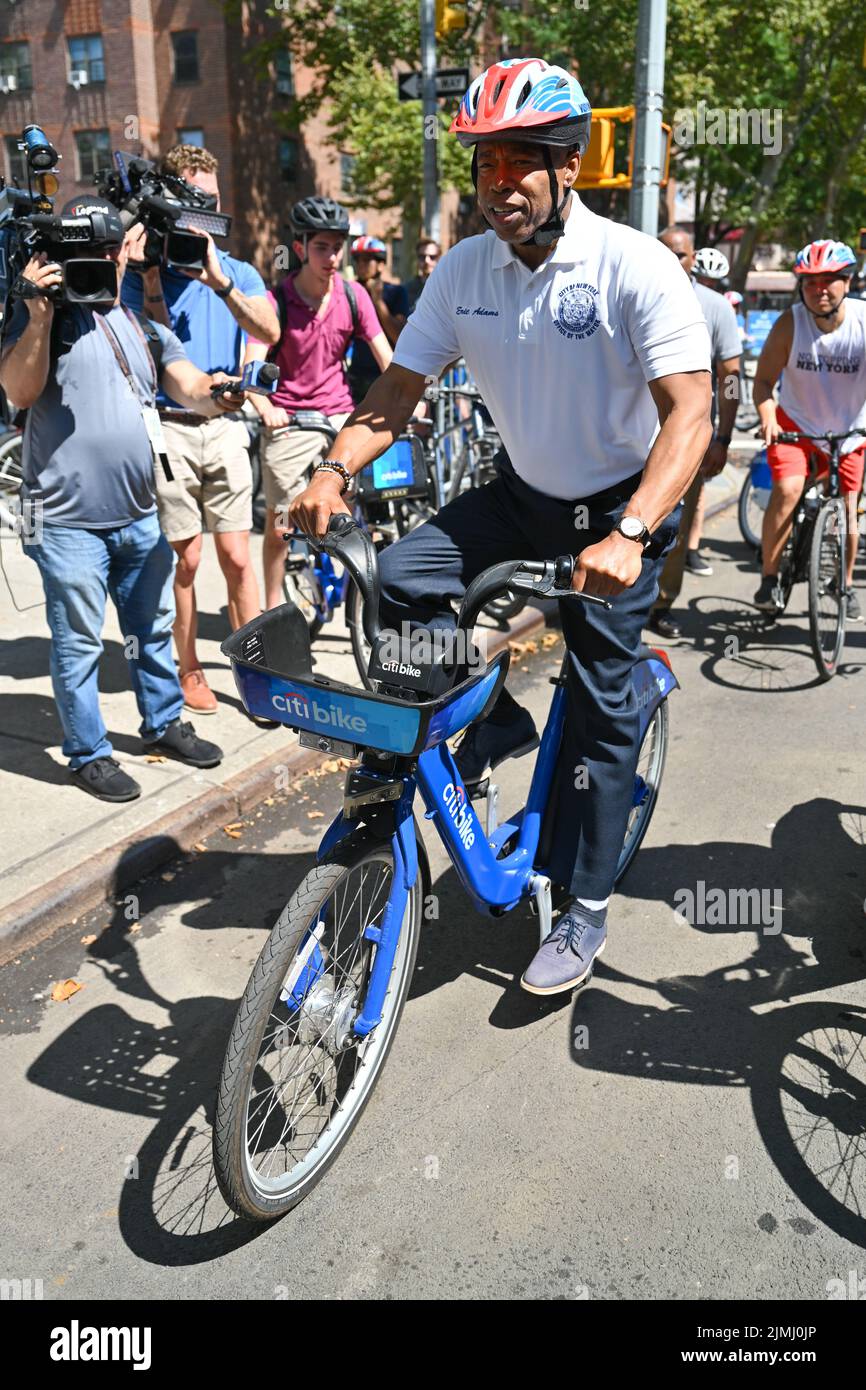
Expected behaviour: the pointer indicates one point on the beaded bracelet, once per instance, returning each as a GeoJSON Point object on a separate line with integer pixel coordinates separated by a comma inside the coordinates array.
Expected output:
{"type": "Point", "coordinates": [332, 466]}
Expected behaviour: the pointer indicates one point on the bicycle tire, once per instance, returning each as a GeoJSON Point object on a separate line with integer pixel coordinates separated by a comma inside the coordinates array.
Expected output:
{"type": "Point", "coordinates": [501, 609]}
{"type": "Point", "coordinates": [746, 509]}
{"type": "Point", "coordinates": [11, 469]}
{"type": "Point", "coordinates": [361, 649]}
{"type": "Point", "coordinates": [265, 1199]}
{"type": "Point", "coordinates": [658, 733]}
{"type": "Point", "coordinates": [302, 589]}
{"type": "Point", "coordinates": [821, 585]}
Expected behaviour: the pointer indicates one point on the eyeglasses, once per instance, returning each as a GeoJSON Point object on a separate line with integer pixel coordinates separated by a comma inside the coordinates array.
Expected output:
{"type": "Point", "coordinates": [428, 255]}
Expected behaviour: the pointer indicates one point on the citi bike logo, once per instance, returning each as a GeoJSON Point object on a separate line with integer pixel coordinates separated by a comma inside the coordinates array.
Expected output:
{"type": "Point", "coordinates": [458, 809]}
{"type": "Point", "coordinates": [329, 716]}
{"type": "Point", "coordinates": [401, 668]}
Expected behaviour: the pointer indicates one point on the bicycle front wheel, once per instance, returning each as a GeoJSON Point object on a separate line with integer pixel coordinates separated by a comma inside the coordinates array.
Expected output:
{"type": "Point", "coordinates": [752, 505]}
{"type": "Point", "coordinates": [296, 1077]}
{"type": "Point", "coordinates": [826, 584]}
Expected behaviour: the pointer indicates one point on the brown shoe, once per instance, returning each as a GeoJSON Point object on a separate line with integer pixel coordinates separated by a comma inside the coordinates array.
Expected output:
{"type": "Point", "coordinates": [197, 694]}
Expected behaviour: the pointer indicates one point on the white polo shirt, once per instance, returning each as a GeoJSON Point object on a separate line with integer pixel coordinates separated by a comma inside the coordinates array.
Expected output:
{"type": "Point", "coordinates": [562, 354]}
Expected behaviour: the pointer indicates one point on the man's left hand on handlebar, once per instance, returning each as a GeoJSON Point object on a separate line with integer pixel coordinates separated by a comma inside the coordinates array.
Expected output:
{"type": "Point", "coordinates": [608, 567]}
{"type": "Point", "coordinates": [313, 508]}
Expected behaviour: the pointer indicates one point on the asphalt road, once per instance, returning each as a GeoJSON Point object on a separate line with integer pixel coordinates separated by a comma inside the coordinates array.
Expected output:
{"type": "Point", "coordinates": [692, 1125]}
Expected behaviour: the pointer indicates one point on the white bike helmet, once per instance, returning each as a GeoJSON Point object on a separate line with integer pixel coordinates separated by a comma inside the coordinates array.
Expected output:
{"type": "Point", "coordinates": [712, 263]}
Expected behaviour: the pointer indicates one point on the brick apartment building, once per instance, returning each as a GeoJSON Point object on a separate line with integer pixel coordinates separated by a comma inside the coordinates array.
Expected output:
{"type": "Point", "coordinates": [139, 75]}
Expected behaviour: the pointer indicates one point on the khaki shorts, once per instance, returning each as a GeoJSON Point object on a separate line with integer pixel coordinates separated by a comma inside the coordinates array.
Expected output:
{"type": "Point", "coordinates": [213, 484]}
{"type": "Point", "coordinates": [287, 458]}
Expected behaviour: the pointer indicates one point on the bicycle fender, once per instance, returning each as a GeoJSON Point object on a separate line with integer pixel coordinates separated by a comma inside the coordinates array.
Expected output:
{"type": "Point", "coordinates": [336, 831]}
{"type": "Point", "coordinates": [653, 680]}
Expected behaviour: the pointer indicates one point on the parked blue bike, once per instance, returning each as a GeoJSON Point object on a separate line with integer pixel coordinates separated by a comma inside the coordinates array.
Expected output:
{"type": "Point", "coordinates": [320, 1012]}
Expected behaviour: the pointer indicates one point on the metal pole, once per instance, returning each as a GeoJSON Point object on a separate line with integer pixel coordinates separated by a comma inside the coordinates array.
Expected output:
{"type": "Point", "coordinates": [649, 85]}
{"type": "Point", "coordinates": [431, 119]}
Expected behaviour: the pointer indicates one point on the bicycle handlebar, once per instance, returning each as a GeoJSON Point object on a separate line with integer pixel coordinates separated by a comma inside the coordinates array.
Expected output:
{"type": "Point", "coordinates": [794, 437]}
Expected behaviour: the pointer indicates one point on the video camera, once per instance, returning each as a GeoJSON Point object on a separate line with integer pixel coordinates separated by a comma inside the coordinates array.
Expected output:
{"type": "Point", "coordinates": [175, 212]}
{"type": "Point", "coordinates": [29, 224]}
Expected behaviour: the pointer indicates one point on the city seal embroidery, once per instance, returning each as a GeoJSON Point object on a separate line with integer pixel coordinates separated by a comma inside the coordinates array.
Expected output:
{"type": "Point", "coordinates": [577, 312]}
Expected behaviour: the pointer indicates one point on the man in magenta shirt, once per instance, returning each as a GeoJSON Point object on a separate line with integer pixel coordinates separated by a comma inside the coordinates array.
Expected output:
{"type": "Point", "coordinates": [317, 333]}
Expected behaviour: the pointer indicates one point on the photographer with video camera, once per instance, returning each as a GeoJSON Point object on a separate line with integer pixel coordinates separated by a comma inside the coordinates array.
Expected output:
{"type": "Point", "coordinates": [211, 305]}
{"type": "Point", "coordinates": [86, 370]}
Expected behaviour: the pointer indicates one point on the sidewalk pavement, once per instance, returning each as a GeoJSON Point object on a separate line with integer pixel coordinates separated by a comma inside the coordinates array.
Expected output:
{"type": "Point", "coordinates": [62, 851]}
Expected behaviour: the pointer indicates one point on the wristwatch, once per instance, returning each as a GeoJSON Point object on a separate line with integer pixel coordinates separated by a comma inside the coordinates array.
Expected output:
{"type": "Point", "coordinates": [633, 529]}
{"type": "Point", "coordinates": [224, 294]}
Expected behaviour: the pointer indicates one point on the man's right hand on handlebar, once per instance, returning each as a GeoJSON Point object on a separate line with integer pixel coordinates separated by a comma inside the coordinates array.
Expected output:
{"type": "Point", "coordinates": [769, 427]}
{"type": "Point", "coordinates": [313, 508]}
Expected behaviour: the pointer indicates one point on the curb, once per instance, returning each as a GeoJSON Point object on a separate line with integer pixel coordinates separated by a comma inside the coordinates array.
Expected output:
{"type": "Point", "coordinates": [33, 918]}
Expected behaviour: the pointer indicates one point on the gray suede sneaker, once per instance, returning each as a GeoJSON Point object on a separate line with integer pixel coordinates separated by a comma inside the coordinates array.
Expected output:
{"type": "Point", "coordinates": [569, 953]}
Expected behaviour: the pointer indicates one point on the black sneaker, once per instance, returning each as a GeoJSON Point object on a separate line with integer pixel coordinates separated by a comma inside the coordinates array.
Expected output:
{"type": "Point", "coordinates": [663, 625]}
{"type": "Point", "coordinates": [766, 597]}
{"type": "Point", "coordinates": [486, 745]}
{"type": "Point", "coordinates": [852, 607]}
{"type": "Point", "coordinates": [106, 779]}
{"type": "Point", "coordinates": [696, 564]}
{"type": "Point", "coordinates": [182, 742]}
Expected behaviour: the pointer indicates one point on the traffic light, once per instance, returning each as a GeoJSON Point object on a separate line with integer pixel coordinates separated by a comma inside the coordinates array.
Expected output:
{"type": "Point", "coordinates": [597, 168]}
{"type": "Point", "coordinates": [597, 163]}
{"type": "Point", "coordinates": [450, 18]}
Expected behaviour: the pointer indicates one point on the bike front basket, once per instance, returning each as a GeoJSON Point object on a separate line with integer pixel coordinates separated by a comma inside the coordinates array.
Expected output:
{"type": "Point", "coordinates": [273, 673]}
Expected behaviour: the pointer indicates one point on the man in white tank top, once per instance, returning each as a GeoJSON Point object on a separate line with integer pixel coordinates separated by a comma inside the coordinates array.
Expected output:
{"type": "Point", "coordinates": [818, 347]}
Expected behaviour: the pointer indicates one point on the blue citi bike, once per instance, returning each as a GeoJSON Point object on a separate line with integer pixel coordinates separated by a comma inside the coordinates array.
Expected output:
{"type": "Point", "coordinates": [321, 1009]}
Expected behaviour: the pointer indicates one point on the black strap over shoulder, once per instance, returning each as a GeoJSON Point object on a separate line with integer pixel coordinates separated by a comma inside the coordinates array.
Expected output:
{"type": "Point", "coordinates": [154, 342]}
{"type": "Point", "coordinates": [61, 337]}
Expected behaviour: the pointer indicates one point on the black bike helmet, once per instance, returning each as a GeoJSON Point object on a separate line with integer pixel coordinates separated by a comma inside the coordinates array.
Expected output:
{"type": "Point", "coordinates": [318, 215]}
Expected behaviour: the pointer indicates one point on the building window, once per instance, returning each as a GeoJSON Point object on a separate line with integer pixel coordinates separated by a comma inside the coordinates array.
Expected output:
{"type": "Point", "coordinates": [190, 135]}
{"type": "Point", "coordinates": [93, 149]}
{"type": "Point", "coordinates": [185, 46]}
{"type": "Point", "coordinates": [347, 171]}
{"type": "Point", "coordinates": [283, 74]}
{"type": "Point", "coordinates": [289, 159]}
{"type": "Point", "coordinates": [86, 55]}
{"type": "Point", "coordinates": [15, 64]}
{"type": "Point", "coordinates": [16, 164]}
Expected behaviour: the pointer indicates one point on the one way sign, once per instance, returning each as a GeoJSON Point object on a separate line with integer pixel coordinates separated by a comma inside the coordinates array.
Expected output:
{"type": "Point", "coordinates": [449, 82]}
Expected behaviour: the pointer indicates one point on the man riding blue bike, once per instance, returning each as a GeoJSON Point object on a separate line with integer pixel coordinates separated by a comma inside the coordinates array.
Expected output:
{"type": "Point", "coordinates": [592, 355]}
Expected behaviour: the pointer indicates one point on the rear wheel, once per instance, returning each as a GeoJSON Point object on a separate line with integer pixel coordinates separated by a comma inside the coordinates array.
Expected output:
{"type": "Point", "coordinates": [296, 1077]}
{"type": "Point", "coordinates": [301, 586]}
{"type": "Point", "coordinates": [826, 585]}
{"type": "Point", "coordinates": [647, 780]}
{"type": "Point", "coordinates": [361, 648]}
{"type": "Point", "coordinates": [10, 464]}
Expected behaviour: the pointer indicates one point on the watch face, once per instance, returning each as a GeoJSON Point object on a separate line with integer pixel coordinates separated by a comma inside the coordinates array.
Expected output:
{"type": "Point", "coordinates": [632, 527]}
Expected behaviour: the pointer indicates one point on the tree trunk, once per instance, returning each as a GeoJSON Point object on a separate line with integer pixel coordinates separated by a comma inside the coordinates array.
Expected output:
{"type": "Point", "coordinates": [824, 224]}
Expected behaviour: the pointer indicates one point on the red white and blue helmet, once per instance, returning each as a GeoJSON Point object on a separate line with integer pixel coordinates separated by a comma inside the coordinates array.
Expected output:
{"type": "Point", "coordinates": [369, 246]}
{"type": "Point", "coordinates": [733, 297]}
{"type": "Point", "coordinates": [825, 258]}
{"type": "Point", "coordinates": [524, 99]}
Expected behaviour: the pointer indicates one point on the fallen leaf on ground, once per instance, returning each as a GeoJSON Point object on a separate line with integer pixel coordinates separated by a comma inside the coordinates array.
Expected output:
{"type": "Point", "coordinates": [88, 940]}
{"type": "Point", "coordinates": [315, 815]}
{"type": "Point", "coordinates": [549, 639]}
{"type": "Point", "coordinates": [232, 834]}
{"type": "Point", "coordinates": [200, 848]}
{"type": "Point", "coordinates": [167, 878]}
{"type": "Point", "coordinates": [65, 990]}
{"type": "Point", "coordinates": [269, 801]}
{"type": "Point", "coordinates": [136, 926]}
{"type": "Point", "coordinates": [157, 758]}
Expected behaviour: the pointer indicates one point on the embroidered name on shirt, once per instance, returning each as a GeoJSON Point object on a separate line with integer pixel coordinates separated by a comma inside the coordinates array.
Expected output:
{"type": "Point", "coordinates": [485, 313]}
{"type": "Point", "coordinates": [577, 312]}
{"type": "Point", "coordinates": [847, 366]}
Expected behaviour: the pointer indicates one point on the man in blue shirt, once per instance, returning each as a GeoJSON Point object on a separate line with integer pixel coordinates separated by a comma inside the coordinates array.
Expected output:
{"type": "Point", "coordinates": [87, 378]}
{"type": "Point", "coordinates": [211, 312]}
{"type": "Point", "coordinates": [390, 302]}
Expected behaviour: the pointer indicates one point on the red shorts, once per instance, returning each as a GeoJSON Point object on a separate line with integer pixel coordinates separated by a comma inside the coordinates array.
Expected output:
{"type": "Point", "coordinates": [792, 460]}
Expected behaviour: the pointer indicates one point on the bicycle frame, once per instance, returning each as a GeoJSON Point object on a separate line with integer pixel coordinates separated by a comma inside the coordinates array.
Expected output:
{"type": "Point", "coordinates": [495, 885]}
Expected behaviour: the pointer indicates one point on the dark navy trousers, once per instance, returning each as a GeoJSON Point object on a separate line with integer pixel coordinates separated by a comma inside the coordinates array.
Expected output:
{"type": "Point", "coordinates": [429, 569]}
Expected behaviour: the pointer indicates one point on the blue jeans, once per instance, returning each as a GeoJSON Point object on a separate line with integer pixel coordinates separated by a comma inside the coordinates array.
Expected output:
{"type": "Point", "coordinates": [79, 567]}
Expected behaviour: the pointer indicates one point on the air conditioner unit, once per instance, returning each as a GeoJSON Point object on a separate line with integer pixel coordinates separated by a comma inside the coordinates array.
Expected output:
{"type": "Point", "coordinates": [78, 78]}
{"type": "Point", "coordinates": [284, 86]}
{"type": "Point", "coordinates": [8, 84]}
